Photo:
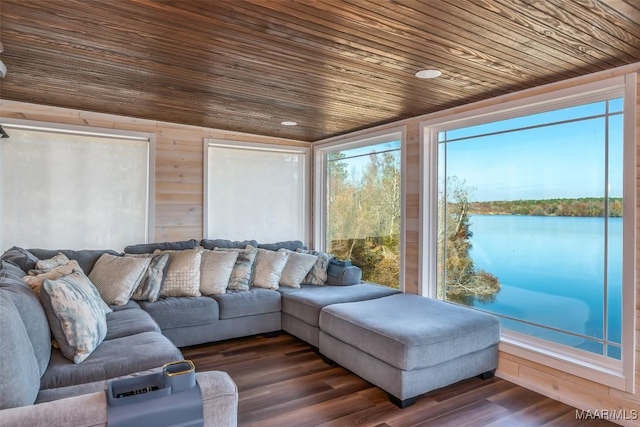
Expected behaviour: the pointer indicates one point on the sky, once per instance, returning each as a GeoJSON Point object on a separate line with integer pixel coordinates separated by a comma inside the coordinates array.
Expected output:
{"type": "Point", "coordinates": [563, 160]}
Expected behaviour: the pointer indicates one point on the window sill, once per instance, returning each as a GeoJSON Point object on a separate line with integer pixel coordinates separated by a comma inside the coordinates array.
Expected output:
{"type": "Point", "coordinates": [592, 367]}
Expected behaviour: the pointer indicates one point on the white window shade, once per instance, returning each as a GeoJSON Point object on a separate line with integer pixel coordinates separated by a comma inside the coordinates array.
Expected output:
{"type": "Point", "coordinates": [256, 193]}
{"type": "Point", "coordinates": [61, 190]}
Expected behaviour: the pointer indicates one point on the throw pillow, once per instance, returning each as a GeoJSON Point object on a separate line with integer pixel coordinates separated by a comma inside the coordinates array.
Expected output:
{"type": "Point", "coordinates": [241, 274]}
{"type": "Point", "coordinates": [35, 282]}
{"type": "Point", "coordinates": [268, 269]}
{"type": "Point", "coordinates": [151, 283]}
{"type": "Point", "coordinates": [76, 315]}
{"type": "Point", "coordinates": [215, 271]}
{"type": "Point", "coordinates": [49, 264]}
{"type": "Point", "coordinates": [318, 273]}
{"type": "Point", "coordinates": [297, 267]}
{"type": "Point", "coordinates": [183, 275]}
{"type": "Point", "coordinates": [116, 277]}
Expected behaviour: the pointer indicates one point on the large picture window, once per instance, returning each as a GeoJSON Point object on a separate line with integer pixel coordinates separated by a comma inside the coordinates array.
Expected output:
{"type": "Point", "coordinates": [531, 225]}
{"type": "Point", "coordinates": [362, 205]}
{"type": "Point", "coordinates": [73, 190]}
{"type": "Point", "coordinates": [256, 191]}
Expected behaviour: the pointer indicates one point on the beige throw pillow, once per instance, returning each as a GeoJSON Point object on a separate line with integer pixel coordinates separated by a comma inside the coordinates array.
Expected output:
{"type": "Point", "coordinates": [183, 276]}
{"type": "Point", "coordinates": [51, 263]}
{"type": "Point", "coordinates": [268, 268]}
{"type": "Point", "coordinates": [215, 271]}
{"type": "Point", "coordinates": [35, 282]}
{"type": "Point", "coordinates": [116, 277]}
{"type": "Point", "coordinates": [297, 267]}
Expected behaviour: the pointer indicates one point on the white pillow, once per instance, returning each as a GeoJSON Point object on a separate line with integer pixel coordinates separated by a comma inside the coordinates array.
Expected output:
{"type": "Point", "coordinates": [268, 268]}
{"type": "Point", "coordinates": [116, 277]}
{"type": "Point", "coordinates": [183, 276]}
{"type": "Point", "coordinates": [215, 271]}
{"type": "Point", "coordinates": [297, 267]}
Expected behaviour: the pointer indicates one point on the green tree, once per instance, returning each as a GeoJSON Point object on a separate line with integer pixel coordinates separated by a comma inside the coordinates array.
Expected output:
{"type": "Point", "coordinates": [458, 277]}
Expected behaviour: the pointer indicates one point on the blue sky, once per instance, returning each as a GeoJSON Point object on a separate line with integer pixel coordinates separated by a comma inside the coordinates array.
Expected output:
{"type": "Point", "coordinates": [564, 160]}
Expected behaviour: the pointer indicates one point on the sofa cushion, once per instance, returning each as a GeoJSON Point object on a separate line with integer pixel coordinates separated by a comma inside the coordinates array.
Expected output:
{"type": "Point", "coordinates": [228, 244]}
{"type": "Point", "coordinates": [21, 257]}
{"type": "Point", "coordinates": [30, 310]}
{"type": "Point", "coordinates": [129, 322]}
{"type": "Point", "coordinates": [215, 271]}
{"type": "Point", "coordinates": [408, 331]}
{"type": "Point", "coordinates": [297, 267]}
{"type": "Point", "coordinates": [235, 304]}
{"type": "Point", "coordinates": [76, 315]}
{"type": "Point", "coordinates": [113, 358]}
{"type": "Point", "coordinates": [85, 257]}
{"type": "Point", "coordinates": [268, 268]}
{"type": "Point", "coordinates": [151, 284]}
{"type": "Point", "coordinates": [19, 371]}
{"type": "Point", "coordinates": [305, 303]}
{"type": "Point", "coordinates": [147, 248]}
{"type": "Point", "coordinates": [176, 312]}
{"type": "Point", "coordinates": [241, 274]}
{"type": "Point", "coordinates": [290, 245]}
{"type": "Point", "coordinates": [117, 277]}
{"type": "Point", "coordinates": [183, 275]}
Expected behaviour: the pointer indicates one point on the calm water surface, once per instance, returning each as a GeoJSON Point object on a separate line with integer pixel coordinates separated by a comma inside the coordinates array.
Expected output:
{"type": "Point", "coordinates": [552, 271]}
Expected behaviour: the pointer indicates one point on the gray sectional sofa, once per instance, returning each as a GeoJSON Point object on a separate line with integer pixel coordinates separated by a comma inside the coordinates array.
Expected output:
{"type": "Point", "coordinates": [39, 385]}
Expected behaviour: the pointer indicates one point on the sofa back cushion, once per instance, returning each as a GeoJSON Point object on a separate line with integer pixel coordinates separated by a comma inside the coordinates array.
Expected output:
{"type": "Point", "coordinates": [148, 248]}
{"type": "Point", "coordinates": [227, 244]}
{"type": "Point", "coordinates": [85, 257]}
{"type": "Point", "coordinates": [29, 310]}
{"type": "Point", "coordinates": [19, 371]}
{"type": "Point", "coordinates": [20, 257]}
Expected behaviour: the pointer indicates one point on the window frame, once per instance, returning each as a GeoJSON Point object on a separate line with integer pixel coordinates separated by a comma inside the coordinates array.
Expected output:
{"type": "Point", "coordinates": [265, 147]}
{"type": "Point", "coordinates": [607, 371]}
{"type": "Point", "coordinates": [320, 153]}
{"type": "Point", "coordinates": [149, 137]}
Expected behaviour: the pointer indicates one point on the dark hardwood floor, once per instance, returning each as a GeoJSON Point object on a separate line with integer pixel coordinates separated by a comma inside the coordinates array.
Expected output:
{"type": "Point", "coordinates": [283, 382]}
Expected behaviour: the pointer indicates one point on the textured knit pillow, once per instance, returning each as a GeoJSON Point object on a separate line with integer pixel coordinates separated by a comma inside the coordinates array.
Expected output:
{"type": "Point", "coordinates": [297, 267]}
{"type": "Point", "coordinates": [183, 275]}
{"type": "Point", "coordinates": [76, 315]}
{"type": "Point", "coordinates": [35, 282]}
{"type": "Point", "coordinates": [151, 283]}
{"type": "Point", "coordinates": [116, 277]}
{"type": "Point", "coordinates": [268, 268]}
{"type": "Point", "coordinates": [241, 274]}
{"type": "Point", "coordinates": [318, 273]}
{"type": "Point", "coordinates": [215, 271]}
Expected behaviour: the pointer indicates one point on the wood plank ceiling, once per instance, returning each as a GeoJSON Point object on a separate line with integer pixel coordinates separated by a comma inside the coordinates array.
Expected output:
{"type": "Point", "coordinates": [333, 66]}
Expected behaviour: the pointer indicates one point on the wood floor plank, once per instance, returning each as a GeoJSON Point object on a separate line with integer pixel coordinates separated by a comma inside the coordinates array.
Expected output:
{"type": "Point", "coordinates": [283, 381]}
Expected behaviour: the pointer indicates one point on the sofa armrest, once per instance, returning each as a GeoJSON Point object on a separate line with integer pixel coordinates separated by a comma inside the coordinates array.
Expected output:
{"type": "Point", "coordinates": [219, 394]}
{"type": "Point", "coordinates": [339, 275]}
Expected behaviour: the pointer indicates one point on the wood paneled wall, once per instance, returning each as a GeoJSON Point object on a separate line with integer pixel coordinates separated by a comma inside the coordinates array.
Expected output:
{"type": "Point", "coordinates": [179, 161]}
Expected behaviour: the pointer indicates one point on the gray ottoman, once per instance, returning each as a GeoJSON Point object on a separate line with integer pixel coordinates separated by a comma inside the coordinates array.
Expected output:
{"type": "Point", "coordinates": [408, 345]}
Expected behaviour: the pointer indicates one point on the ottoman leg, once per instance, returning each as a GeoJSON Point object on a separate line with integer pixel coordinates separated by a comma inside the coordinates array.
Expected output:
{"type": "Point", "coordinates": [402, 403]}
{"type": "Point", "coordinates": [487, 375]}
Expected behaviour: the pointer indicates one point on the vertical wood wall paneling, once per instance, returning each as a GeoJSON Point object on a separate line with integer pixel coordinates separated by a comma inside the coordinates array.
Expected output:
{"type": "Point", "coordinates": [179, 154]}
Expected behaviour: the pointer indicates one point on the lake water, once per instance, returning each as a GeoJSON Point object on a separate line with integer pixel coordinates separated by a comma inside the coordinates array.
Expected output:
{"type": "Point", "coordinates": [552, 272]}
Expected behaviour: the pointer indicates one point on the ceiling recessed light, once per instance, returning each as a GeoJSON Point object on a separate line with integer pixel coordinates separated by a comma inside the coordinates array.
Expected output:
{"type": "Point", "coordinates": [288, 123]}
{"type": "Point", "coordinates": [428, 74]}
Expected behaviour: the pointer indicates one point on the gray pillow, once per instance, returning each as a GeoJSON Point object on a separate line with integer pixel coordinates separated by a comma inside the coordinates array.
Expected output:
{"type": "Point", "coordinates": [151, 284]}
{"type": "Point", "coordinates": [228, 244]}
{"type": "Point", "coordinates": [76, 314]}
{"type": "Point", "coordinates": [241, 274]}
{"type": "Point", "coordinates": [149, 248]}
{"type": "Point", "coordinates": [21, 257]}
{"type": "Point", "coordinates": [215, 271]}
{"type": "Point", "coordinates": [318, 273]}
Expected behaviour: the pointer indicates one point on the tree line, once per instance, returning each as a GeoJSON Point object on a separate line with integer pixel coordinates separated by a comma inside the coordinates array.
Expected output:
{"type": "Point", "coordinates": [584, 206]}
